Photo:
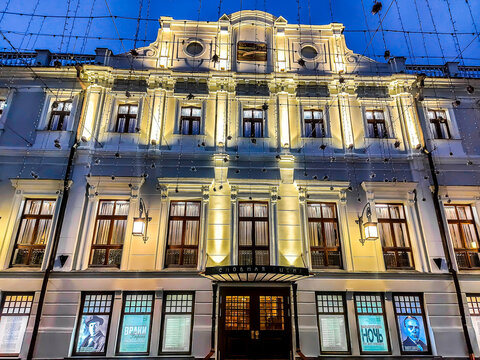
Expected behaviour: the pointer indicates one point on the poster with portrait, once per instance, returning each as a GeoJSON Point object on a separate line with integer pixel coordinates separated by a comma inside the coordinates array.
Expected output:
{"type": "Point", "coordinates": [333, 333]}
{"type": "Point", "coordinates": [92, 334]}
{"type": "Point", "coordinates": [12, 331]}
{"type": "Point", "coordinates": [373, 336]}
{"type": "Point", "coordinates": [412, 333]}
{"type": "Point", "coordinates": [176, 333]}
{"type": "Point", "coordinates": [135, 334]}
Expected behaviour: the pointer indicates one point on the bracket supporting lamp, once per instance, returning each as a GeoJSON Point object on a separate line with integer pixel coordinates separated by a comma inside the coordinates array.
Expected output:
{"type": "Point", "coordinates": [140, 224]}
{"type": "Point", "coordinates": [370, 227]}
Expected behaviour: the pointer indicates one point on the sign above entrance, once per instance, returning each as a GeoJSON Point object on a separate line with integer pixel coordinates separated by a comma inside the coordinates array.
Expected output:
{"type": "Point", "coordinates": [246, 273]}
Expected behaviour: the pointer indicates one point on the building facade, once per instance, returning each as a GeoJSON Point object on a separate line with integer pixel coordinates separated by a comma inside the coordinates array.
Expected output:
{"type": "Point", "coordinates": [238, 189]}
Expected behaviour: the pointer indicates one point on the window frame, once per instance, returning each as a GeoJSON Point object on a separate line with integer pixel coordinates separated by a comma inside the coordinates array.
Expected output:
{"type": "Point", "coordinates": [459, 222]}
{"type": "Point", "coordinates": [36, 218]}
{"type": "Point", "coordinates": [162, 327]}
{"type": "Point", "coordinates": [314, 121]}
{"type": "Point", "coordinates": [374, 121]}
{"type": "Point", "coordinates": [384, 314]}
{"type": "Point", "coordinates": [424, 318]}
{"type": "Point", "coordinates": [395, 249]}
{"type": "Point", "coordinates": [252, 120]}
{"type": "Point", "coordinates": [345, 316]}
{"type": "Point", "coordinates": [2, 304]}
{"type": "Point", "coordinates": [79, 321]}
{"type": "Point", "coordinates": [182, 246]}
{"type": "Point", "coordinates": [190, 119]}
{"type": "Point", "coordinates": [127, 117]}
{"type": "Point", "coordinates": [325, 249]}
{"type": "Point", "coordinates": [120, 324]}
{"type": "Point", "coordinates": [253, 247]}
{"type": "Point", "coordinates": [436, 122]}
{"type": "Point", "coordinates": [61, 113]}
{"type": "Point", "coordinates": [107, 246]}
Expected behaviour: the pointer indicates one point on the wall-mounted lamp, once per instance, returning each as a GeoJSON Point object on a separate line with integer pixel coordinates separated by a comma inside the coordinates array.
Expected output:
{"type": "Point", "coordinates": [140, 224]}
{"type": "Point", "coordinates": [370, 227]}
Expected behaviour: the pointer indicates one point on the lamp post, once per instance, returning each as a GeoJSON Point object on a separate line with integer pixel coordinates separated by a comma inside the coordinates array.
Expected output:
{"type": "Point", "coordinates": [140, 224]}
{"type": "Point", "coordinates": [370, 227]}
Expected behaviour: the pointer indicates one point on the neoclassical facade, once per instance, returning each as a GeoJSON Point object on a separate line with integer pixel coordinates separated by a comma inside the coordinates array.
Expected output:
{"type": "Point", "coordinates": [239, 189]}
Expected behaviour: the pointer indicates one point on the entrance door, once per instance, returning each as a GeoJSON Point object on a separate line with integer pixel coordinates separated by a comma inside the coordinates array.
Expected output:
{"type": "Point", "coordinates": [254, 323]}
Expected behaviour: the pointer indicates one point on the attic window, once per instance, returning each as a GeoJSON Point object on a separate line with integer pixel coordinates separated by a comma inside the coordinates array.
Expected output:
{"type": "Point", "coordinates": [194, 48]}
{"type": "Point", "coordinates": [309, 52]}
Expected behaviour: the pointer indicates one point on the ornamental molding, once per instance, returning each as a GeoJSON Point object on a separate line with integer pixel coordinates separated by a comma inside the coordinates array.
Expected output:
{"type": "Point", "coordinates": [400, 191]}
{"type": "Point", "coordinates": [39, 187]}
{"type": "Point", "coordinates": [468, 194]}
{"type": "Point", "coordinates": [105, 186]}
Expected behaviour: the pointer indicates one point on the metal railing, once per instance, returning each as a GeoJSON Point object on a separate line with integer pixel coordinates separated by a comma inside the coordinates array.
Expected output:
{"type": "Point", "coordinates": [44, 58]}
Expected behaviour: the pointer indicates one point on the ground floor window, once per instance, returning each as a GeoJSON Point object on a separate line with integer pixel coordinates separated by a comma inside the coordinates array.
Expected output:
{"type": "Point", "coordinates": [93, 324]}
{"type": "Point", "coordinates": [372, 324]}
{"type": "Point", "coordinates": [474, 310]}
{"type": "Point", "coordinates": [411, 324]}
{"type": "Point", "coordinates": [177, 323]}
{"type": "Point", "coordinates": [136, 321]}
{"type": "Point", "coordinates": [332, 322]}
{"type": "Point", "coordinates": [14, 314]}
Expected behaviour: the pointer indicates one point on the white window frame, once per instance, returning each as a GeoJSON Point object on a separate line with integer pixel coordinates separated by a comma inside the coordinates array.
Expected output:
{"type": "Point", "coordinates": [119, 100]}
{"type": "Point", "coordinates": [104, 188]}
{"type": "Point", "coordinates": [317, 104]}
{"type": "Point", "coordinates": [62, 95]}
{"type": "Point", "coordinates": [384, 105]}
{"type": "Point", "coordinates": [29, 189]}
{"type": "Point", "coordinates": [7, 95]}
{"type": "Point", "coordinates": [447, 107]}
{"type": "Point", "coordinates": [247, 103]}
{"type": "Point", "coordinates": [400, 193]}
{"type": "Point", "coordinates": [201, 103]}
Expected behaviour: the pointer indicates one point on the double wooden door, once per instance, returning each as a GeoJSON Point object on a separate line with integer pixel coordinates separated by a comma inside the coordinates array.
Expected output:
{"type": "Point", "coordinates": [255, 323]}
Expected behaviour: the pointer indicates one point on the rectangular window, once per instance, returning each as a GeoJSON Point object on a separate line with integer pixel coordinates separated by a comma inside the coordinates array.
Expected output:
{"type": "Point", "coordinates": [253, 242]}
{"type": "Point", "coordinates": [127, 118]}
{"type": "Point", "coordinates": [110, 226]}
{"type": "Point", "coordinates": [253, 123]}
{"type": "Point", "coordinates": [412, 327]}
{"type": "Point", "coordinates": [59, 115]}
{"type": "Point", "coordinates": [14, 314]}
{"type": "Point", "coordinates": [251, 51]}
{"type": "Point", "coordinates": [314, 124]}
{"type": "Point", "coordinates": [93, 324]}
{"type": "Point", "coordinates": [35, 227]}
{"type": "Point", "coordinates": [177, 322]}
{"type": "Point", "coordinates": [474, 310]}
{"type": "Point", "coordinates": [463, 232]}
{"type": "Point", "coordinates": [372, 323]}
{"type": "Point", "coordinates": [439, 124]}
{"type": "Point", "coordinates": [323, 234]}
{"type": "Point", "coordinates": [190, 120]}
{"type": "Point", "coordinates": [332, 323]}
{"type": "Point", "coordinates": [376, 124]}
{"type": "Point", "coordinates": [397, 251]}
{"type": "Point", "coordinates": [135, 324]}
{"type": "Point", "coordinates": [183, 233]}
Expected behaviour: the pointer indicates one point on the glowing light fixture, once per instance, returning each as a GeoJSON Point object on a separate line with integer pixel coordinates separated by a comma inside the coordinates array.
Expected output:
{"type": "Point", "coordinates": [370, 227]}
{"type": "Point", "coordinates": [140, 224]}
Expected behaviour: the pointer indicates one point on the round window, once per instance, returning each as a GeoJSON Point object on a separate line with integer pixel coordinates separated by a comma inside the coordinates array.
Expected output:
{"type": "Point", "coordinates": [309, 52]}
{"type": "Point", "coordinates": [194, 48]}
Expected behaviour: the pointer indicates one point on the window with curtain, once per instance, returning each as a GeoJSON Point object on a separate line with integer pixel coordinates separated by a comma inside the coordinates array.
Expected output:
{"type": "Point", "coordinates": [183, 234]}
{"type": "Point", "coordinates": [190, 118]}
{"type": "Point", "coordinates": [323, 235]}
{"type": "Point", "coordinates": [253, 242]}
{"type": "Point", "coordinates": [59, 115]}
{"type": "Point", "coordinates": [35, 226]}
{"type": "Point", "coordinates": [439, 124]}
{"type": "Point", "coordinates": [376, 124]}
{"type": "Point", "coordinates": [463, 232]}
{"type": "Point", "coordinates": [127, 118]}
{"type": "Point", "coordinates": [314, 123]}
{"type": "Point", "coordinates": [110, 227]}
{"type": "Point", "coordinates": [392, 224]}
{"type": "Point", "coordinates": [253, 123]}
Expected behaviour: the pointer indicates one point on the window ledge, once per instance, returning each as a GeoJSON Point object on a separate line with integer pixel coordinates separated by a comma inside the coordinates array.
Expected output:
{"type": "Point", "coordinates": [36, 269]}
{"type": "Point", "coordinates": [319, 139]}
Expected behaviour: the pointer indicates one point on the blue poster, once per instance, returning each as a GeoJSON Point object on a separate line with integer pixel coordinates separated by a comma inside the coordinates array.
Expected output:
{"type": "Point", "coordinates": [412, 333]}
{"type": "Point", "coordinates": [135, 334]}
{"type": "Point", "coordinates": [373, 337]}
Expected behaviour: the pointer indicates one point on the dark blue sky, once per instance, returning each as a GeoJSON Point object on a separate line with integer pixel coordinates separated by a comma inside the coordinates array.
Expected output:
{"type": "Point", "coordinates": [456, 41]}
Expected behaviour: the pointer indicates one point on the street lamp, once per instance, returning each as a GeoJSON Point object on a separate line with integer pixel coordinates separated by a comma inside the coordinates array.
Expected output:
{"type": "Point", "coordinates": [140, 224]}
{"type": "Point", "coordinates": [370, 227]}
